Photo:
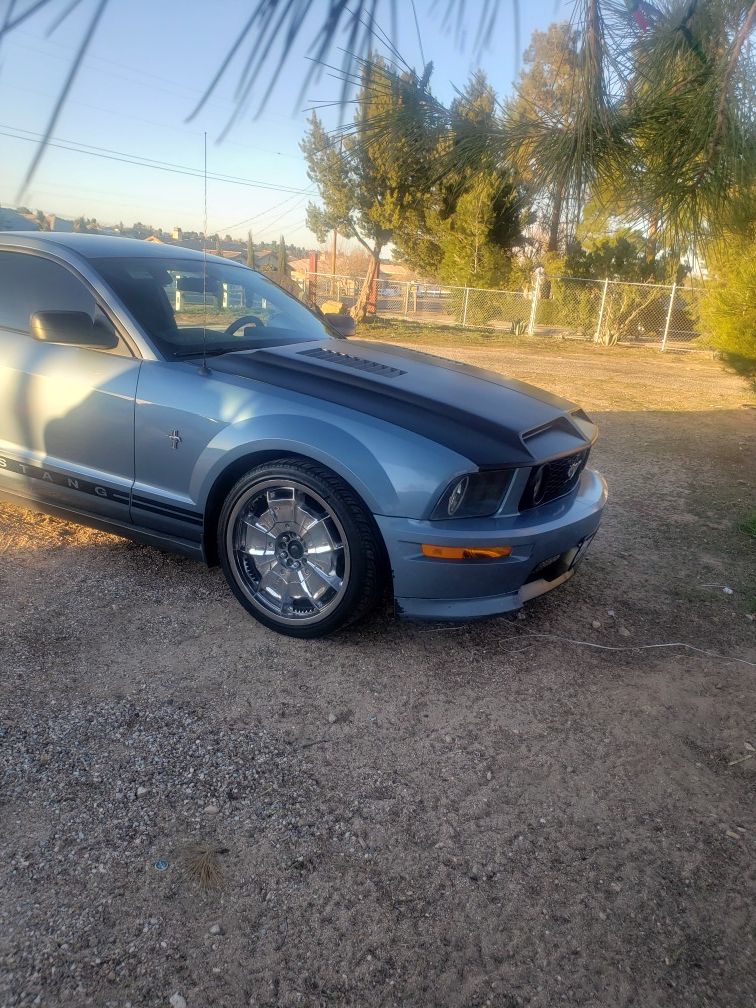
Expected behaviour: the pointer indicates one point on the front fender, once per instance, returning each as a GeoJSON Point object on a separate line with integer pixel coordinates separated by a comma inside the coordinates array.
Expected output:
{"type": "Point", "coordinates": [396, 475]}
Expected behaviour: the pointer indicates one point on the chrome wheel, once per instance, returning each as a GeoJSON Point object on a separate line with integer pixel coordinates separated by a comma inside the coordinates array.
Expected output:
{"type": "Point", "coordinates": [289, 551]}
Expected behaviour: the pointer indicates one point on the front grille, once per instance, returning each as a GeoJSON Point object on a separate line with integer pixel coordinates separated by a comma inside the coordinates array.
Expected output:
{"type": "Point", "coordinates": [553, 479]}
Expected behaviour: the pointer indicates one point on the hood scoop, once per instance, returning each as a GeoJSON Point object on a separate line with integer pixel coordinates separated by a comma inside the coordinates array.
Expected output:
{"type": "Point", "coordinates": [348, 360]}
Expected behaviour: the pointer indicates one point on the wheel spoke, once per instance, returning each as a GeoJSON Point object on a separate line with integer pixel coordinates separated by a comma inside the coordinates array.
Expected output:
{"type": "Point", "coordinates": [318, 539]}
{"type": "Point", "coordinates": [332, 580]}
{"type": "Point", "coordinates": [325, 548]}
{"type": "Point", "coordinates": [263, 522]}
{"type": "Point", "coordinates": [305, 519]}
{"type": "Point", "coordinates": [316, 528]}
{"type": "Point", "coordinates": [285, 600]}
{"type": "Point", "coordinates": [284, 509]}
{"type": "Point", "coordinates": [311, 596]}
{"type": "Point", "coordinates": [258, 541]}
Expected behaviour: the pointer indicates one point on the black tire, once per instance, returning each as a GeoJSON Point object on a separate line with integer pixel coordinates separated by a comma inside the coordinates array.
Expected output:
{"type": "Point", "coordinates": [282, 524]}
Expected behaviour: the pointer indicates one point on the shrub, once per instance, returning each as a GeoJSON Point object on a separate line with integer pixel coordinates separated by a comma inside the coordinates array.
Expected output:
{"type": "Point", "coordinates": [570, 305]}
{"type": "Point", "coordinates": [728, 305]}
{"type": "Point", "coordinates": [481, 309]}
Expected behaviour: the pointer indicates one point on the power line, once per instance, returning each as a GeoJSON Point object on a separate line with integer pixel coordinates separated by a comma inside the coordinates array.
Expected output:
{"type": "Point", "coordinates": [263, 213]}
{"type": "Point", "coordinates": [286, 213]}
{"type": "Point", "coordinates": [141, 161]}
{"type": "Point", "coordinates": [154, 161]}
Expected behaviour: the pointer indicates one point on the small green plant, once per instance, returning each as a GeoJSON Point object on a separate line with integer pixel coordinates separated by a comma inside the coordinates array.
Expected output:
{"type": "Point", "coordinates": [748, 525]}
{"type": "Point", "coordinates": [519, 327]}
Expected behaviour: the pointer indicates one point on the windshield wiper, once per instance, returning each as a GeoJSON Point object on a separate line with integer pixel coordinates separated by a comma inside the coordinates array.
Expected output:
{"type": "Point", "coordinates": [209, 352]}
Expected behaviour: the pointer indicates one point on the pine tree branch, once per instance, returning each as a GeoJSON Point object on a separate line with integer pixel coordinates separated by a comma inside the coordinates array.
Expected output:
{"type": "Point", "coordinates": [732, 62]}
{"type": "Point", "coordinates": [63, 95]}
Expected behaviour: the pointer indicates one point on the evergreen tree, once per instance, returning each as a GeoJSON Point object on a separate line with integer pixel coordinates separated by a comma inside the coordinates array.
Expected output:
{"type": "Point", "coordinates": [464, 228]}
{"type": "Point", "coordinates": [546, 88]}
{"type": "Point", "coordinates": [372, 177]}
{"type": "Point", "coordinates": [282, 267]}
{"type": "Point", "coordinates": [728, 304]}
{"type": "Point", "coordinates": [250, 252]}
{"type": "Point", "coordinates": [659, 122]}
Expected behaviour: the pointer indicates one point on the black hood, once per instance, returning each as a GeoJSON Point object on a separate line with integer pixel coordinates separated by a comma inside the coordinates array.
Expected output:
{"type": "Point", "coordinates": [491, 420]}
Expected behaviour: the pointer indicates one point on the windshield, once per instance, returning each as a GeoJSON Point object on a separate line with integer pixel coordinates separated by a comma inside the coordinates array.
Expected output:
{"type": "Point", "coordinates": [227, 308]}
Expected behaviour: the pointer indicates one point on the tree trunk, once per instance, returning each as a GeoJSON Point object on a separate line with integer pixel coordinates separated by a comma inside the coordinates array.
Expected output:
{"type": "Point", "coordinates": [359, 311]}
{"type": "Point", "coordinates": [651, 240]}
{"type": "Point", "coordinates": [556, 218]}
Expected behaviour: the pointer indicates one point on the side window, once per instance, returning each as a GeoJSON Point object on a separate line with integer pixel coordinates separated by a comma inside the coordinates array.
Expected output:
{"type": "Point", "coordinates": [30, 283]}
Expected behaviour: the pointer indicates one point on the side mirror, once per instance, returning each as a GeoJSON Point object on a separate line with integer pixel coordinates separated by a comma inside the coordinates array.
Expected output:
{"type": "Point", "coordinates": [72, 328]}
{"type": "Point", "coordinates": [343, 324]}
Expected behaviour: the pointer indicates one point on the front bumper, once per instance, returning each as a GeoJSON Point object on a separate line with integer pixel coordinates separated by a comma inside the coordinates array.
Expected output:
{"type": "Point", "coordinates": [429, 588]}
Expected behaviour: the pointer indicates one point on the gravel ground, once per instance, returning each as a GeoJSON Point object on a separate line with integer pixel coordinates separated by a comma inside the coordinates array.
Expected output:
{"type": "Point", "coordinates": [402, 814]}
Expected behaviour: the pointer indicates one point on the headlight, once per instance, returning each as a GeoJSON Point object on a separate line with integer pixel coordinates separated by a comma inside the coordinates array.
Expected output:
{"type": "Point", "coordinates": [473, 496]}
{"type": "Point", "coordinates": [539, 484]}
{"type": "Point", "coordinates": [457, 496]}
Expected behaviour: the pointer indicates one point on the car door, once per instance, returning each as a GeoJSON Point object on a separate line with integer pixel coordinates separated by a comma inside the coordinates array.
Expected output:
{"type": "Point", "coordinates": [66, 410]}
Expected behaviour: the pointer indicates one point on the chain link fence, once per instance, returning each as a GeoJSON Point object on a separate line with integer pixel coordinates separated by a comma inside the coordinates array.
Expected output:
{"type": "Point", "coordinates": [607, 312]}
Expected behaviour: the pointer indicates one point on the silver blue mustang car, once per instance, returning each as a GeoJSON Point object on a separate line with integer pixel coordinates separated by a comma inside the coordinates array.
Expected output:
{"type": "Point", "coordinates": [186, 401]}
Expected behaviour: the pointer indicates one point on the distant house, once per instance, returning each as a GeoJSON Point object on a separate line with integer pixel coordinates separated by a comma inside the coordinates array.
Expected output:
{"type": "Point", "coordinates": [12, 220]}
{"type": "Point", "coordinates": [298, 268]}
{"type": "Point", "coordinates": [235, 251]}
{"type": "Point", "coordinates": [266, 257]}
{"type": "Point", "coordinates": [397, 271]}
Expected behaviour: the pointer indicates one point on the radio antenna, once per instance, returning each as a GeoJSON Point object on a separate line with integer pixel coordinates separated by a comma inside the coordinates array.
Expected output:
{"type": "Point", "coordinates": [204, 369]}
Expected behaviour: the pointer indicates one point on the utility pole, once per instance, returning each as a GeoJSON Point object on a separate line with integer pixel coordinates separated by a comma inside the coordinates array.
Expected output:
{"type": "Point", "coordinates": [333, 249]}
{"type": "Point", "coordinates": [333, 264]}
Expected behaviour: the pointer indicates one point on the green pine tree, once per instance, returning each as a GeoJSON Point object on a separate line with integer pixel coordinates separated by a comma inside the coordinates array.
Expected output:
{"type": "Point", "coordinates": [469, 220]}
{"type": "Point", "coordinates": [251, 252]}
{"type": "Point", "coordinates": [282, 267]}
{"type": "Point", "coordinates": [373, 176]}
{"type": "Point", "coordinates": [546, 88]}
{"type": "Point", "coordinates": [728, 305]}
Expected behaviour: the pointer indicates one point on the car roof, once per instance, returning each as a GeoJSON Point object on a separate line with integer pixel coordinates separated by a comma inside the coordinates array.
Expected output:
{"type": "Point", "coordinates": [92, 246]}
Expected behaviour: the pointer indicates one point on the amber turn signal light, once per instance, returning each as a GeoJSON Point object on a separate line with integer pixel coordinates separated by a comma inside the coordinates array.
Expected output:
{"type": "Point", "coordinates": [465, 552]}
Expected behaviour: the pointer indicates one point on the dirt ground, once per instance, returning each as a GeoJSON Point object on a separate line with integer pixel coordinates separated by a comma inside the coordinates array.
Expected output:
{"type": "Point", "coordinates": [405, 814]}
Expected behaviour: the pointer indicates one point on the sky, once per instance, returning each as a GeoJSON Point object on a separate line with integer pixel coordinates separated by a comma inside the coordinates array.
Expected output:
{"type": "Point", "coordinates": [148, 65]}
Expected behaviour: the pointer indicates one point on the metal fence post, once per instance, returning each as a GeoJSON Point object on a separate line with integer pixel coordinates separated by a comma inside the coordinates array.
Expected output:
{"type": "Point", "coordinates": [669, 317]}
{"type": "Point", "coordinates": [534, 304]}
{"type": "Point", "coordinates": [597, 337]}
{"type": "Point", "coordinates": [464, 306]}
